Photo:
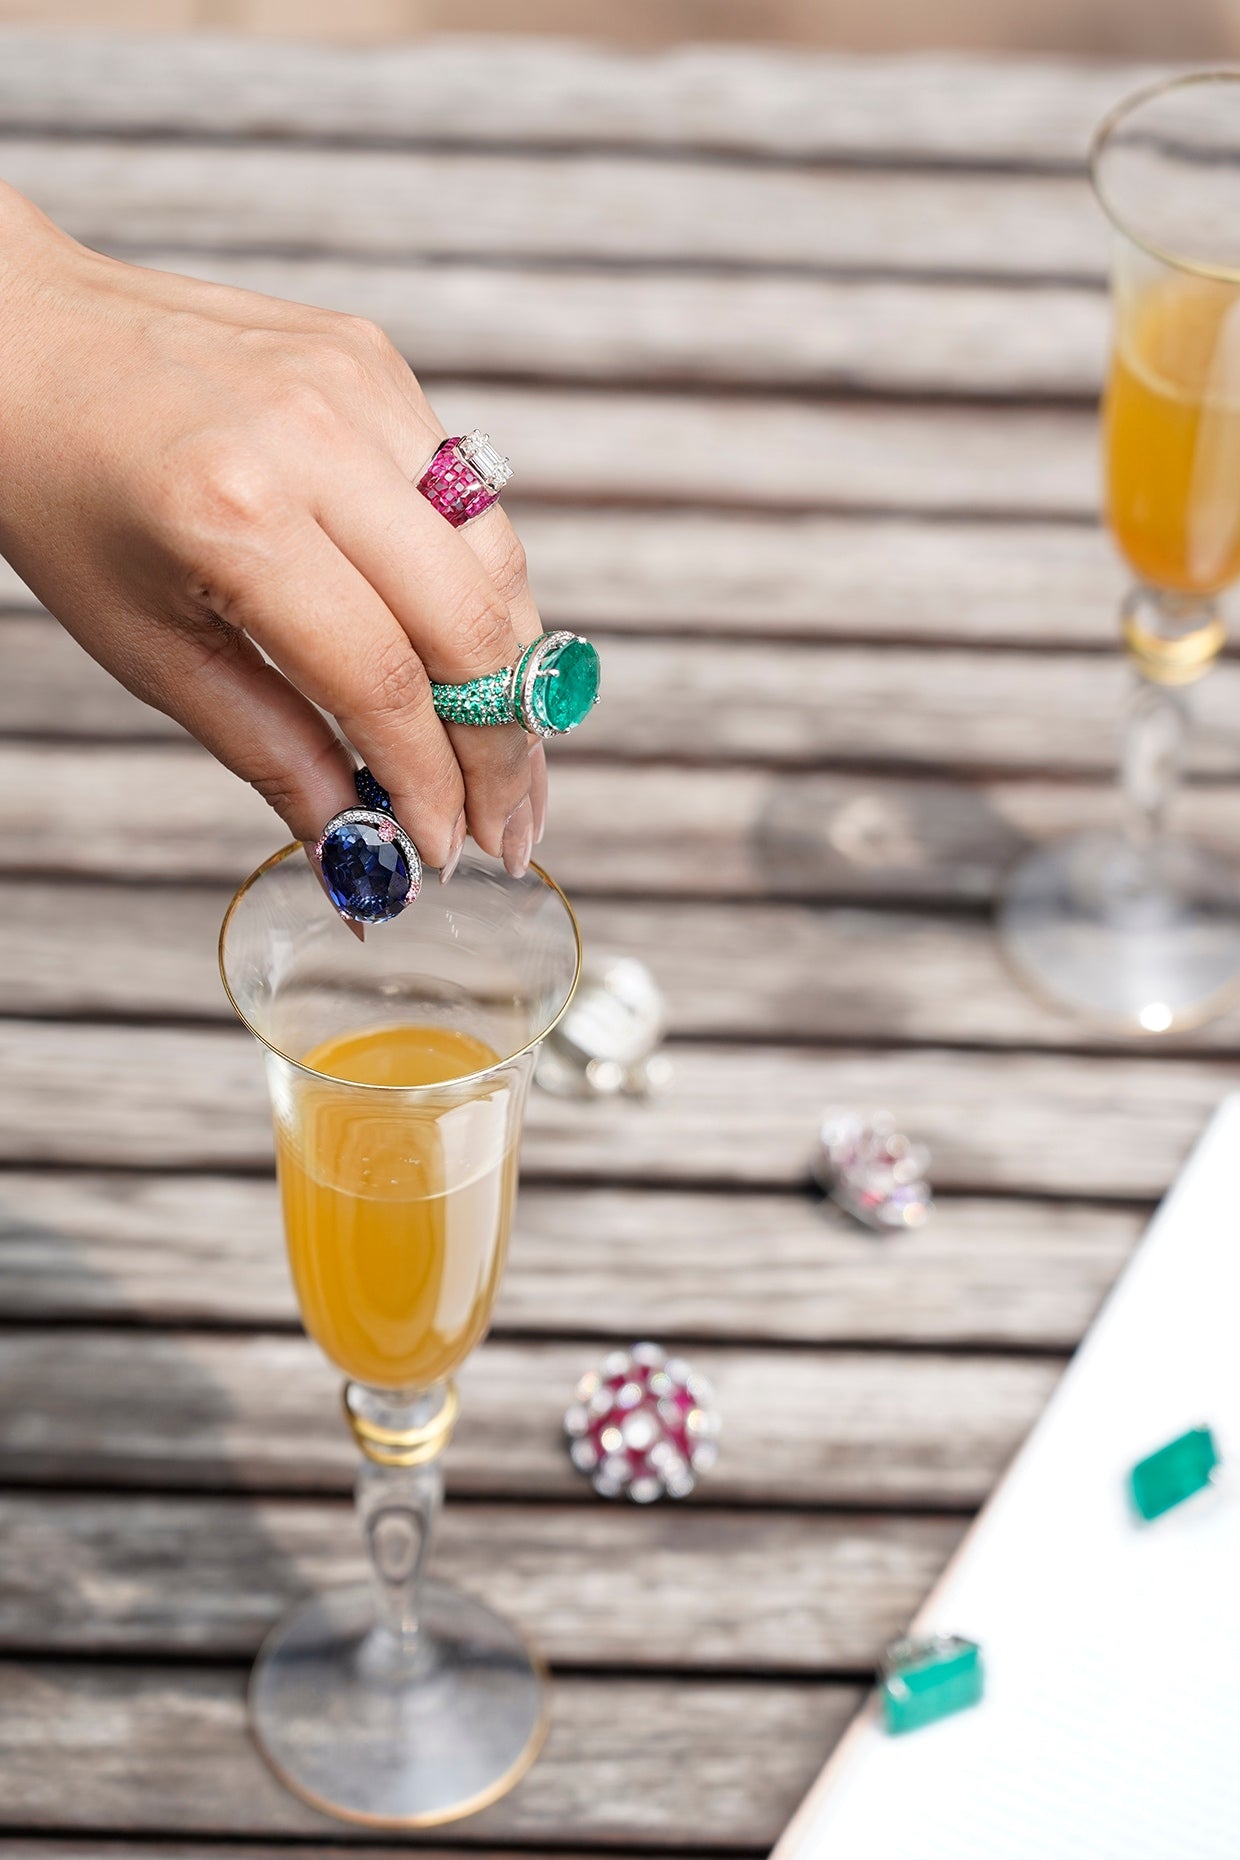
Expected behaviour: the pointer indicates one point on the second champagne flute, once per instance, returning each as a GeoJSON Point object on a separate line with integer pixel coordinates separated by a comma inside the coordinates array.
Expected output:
{"type": "Point", "coordinates": [1139, 928]}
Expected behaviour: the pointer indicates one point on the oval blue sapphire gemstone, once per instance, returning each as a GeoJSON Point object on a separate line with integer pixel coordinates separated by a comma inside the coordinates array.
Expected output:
{"type": "Point", "coordinates": [366, 875]}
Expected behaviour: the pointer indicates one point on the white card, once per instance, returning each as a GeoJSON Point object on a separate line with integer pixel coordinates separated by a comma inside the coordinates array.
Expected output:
{"type": "Point", "coordinates": [1110, 1729]}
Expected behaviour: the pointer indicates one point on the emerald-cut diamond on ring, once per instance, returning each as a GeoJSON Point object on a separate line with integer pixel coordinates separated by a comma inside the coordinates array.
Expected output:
{"type": "Point", "coordinates": [550, 690]}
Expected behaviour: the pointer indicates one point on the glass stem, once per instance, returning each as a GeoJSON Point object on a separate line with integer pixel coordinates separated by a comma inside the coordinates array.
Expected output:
{"type": "Point", "coordinates": [1151, 757]}
{"type": "Point", "coordinates": [399, 1493]}
{"type": "Point", "coordinates": [1172, 640]}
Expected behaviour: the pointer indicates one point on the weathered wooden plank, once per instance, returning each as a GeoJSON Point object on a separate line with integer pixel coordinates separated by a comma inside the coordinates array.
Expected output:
{"type": "Point", "coordinates": [170, 812]}
{"type": "Point", "coordinates": [610, 326]}
{"type": "Point", "coordinates": [772, 702]}
{"type": "Point", "coordinates": [865, 578]}
{"type": "Point", "coordinates": [208, 1249]}
{"type": "Point", "coordinates": [842, 974]}
{"type": "Point", "coordinates": [638, 1761]}
{"type": "Point", "coordinates": [809, 1427]}
{"type": "Point", "coordinates": [1007, 1122]}
{"type": "Point", "coordinates": [605, 1586]}
{"type": "Point", "coordinates": [952, 109]}
{"type": "Point", "coordinates": [783, 452]}
{"type": "Point", "coordinates": [787, 453]}
{"type": "Point", "coordinates": [508, 206]}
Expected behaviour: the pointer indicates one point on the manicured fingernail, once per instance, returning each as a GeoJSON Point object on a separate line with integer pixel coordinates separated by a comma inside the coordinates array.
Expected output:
{"type": "Point", "coordinates": [538, 790]}
{"type": "Point", "coordinates": [454, 851]}
{"type": "Point", "coordinates": [518, 841]}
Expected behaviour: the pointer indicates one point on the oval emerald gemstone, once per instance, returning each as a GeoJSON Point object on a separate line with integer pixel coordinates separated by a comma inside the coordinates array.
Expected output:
{"type": "Point", "coordinates": [560, 702]}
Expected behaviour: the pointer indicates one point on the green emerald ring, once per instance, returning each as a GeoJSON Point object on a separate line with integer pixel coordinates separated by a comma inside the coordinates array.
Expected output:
{"type": "Point", "coordinates": [550, 690]}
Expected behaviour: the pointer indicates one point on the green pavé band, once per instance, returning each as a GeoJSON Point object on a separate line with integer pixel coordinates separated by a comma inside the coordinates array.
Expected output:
{"type": "Point", "coordinates": [550, 690]}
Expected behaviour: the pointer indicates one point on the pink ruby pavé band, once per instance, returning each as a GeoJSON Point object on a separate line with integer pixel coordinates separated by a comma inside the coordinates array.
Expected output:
{"type": "Point", "coordinates": [465, 477]}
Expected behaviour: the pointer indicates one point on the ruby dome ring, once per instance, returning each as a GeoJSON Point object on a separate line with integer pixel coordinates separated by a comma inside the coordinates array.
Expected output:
{"type": "Point", "coordinates": [465, 477]}
{"type": "Point", "coordinates": [369, 864]}
{"type": "Point", "coordinates": [550, 690]}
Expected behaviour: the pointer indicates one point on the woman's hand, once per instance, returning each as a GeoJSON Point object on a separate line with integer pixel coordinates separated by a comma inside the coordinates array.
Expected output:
{"type": "Point", "coordinates": [189, 473]}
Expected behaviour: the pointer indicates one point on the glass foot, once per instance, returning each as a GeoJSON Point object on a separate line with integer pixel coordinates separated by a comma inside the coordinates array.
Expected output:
{"type": "Point", "coordinates": [1141, 940]}
{"type": "Point", "coordinates": [370, 1736]}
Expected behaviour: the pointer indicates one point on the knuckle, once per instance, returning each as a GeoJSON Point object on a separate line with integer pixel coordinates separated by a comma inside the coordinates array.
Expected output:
{"type": "Point", "coordinates": [363, 338]}
{"type": "Point", "coordinates": [396, 681]}
{"type": "Point", "coordinates": [301, 405]}
{"type": "Point", "coordinates": [509, 570]}
{"type": "Point", "coordinates": [280, 790]}
{"type": "Point", "coordinates": [340, 366]}
{"type": "Point", "coordinates": [233, 487]}
{"type": "Point", "coordinates": [366, 332]}
{"type": "Point", "coordinates": [482, 630]}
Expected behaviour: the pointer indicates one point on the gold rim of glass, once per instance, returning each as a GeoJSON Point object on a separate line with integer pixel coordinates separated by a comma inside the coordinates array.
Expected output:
{"type": "Point", "coordinates": [1202, 268]}
{"type": "Point", "coordinates": [464, 1078]}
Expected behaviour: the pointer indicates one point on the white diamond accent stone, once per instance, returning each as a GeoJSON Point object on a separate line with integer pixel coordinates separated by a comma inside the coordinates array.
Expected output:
{"type": "Point", "coordinates": [487, 460]}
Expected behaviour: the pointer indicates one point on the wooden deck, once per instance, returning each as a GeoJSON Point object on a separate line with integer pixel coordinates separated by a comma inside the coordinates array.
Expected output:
{"type": "Point", "coordinates": [796, 359]}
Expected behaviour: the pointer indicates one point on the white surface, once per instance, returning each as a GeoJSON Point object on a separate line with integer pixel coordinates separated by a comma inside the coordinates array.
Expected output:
{"type": "Point", "coordinates": [1110, 1729]}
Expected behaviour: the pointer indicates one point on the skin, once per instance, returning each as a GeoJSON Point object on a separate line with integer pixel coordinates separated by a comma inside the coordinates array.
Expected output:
{"type": "Point", "coordinates": [213, 491]}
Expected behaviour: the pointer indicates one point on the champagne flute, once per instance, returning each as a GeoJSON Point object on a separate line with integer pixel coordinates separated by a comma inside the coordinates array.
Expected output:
{"type": "Point", "coordinates": [398, 1070]}
{"type": "Point", "coordinates": [1138, 928]}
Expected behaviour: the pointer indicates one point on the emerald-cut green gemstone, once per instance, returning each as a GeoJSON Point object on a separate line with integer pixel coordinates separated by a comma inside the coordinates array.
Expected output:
{"type": "Point", "coordinates": [935, 1680]}
{"type": "Point", "coordinates": [1184, 1466]}
{"type": "Point", "coordinates": [559, 703]}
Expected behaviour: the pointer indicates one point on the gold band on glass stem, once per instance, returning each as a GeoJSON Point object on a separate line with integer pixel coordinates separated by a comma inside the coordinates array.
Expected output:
{"type": "Point", "coordinates": [1178, 659]}
{"type": "Point", "coordinates": [404, 1446]}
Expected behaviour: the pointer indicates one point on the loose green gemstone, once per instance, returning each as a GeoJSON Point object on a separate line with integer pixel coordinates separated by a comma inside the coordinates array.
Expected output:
{"type": "Point", "coordinates": [932, 1685]}
{"type": "Point", "coordinates": [561, 702]}
{"type": "Point", "coordinates": [1166, 1478]}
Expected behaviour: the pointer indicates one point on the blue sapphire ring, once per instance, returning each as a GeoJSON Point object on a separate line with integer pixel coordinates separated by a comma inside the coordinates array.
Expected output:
{"type": "Point", "coordinates": [369, 864]}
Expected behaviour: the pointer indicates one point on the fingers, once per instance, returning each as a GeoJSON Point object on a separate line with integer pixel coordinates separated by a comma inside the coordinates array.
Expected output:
{"type": "Point", "coordinates": [339, 643]}
{"type": "Point", "coordinates": [218, 685]}
{"type": "Point", "coordinates": [459, 622]}
{"type": "Point", "coordinates": [498, 547]}
{"type": "Point", "coordinates": [409, 434]}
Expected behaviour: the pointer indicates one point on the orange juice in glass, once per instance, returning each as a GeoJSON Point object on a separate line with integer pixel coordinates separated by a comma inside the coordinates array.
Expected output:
{"type": "Point", "coordinates": [1171, 425]}
{"type": "Point", "coordinates": [396, 1216]}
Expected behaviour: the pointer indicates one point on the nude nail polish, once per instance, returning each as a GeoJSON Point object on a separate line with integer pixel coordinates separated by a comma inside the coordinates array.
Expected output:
{"type": "Point", "coordinates": [538, 790]}
{"type": "Point", "coordinates": [455, 849]}
{"type": "Point", "coordinates": [518, 841]}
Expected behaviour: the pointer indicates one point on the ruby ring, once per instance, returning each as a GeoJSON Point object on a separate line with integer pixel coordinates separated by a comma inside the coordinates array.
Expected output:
{"type": "Point", "coordinates": [465, 477]}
